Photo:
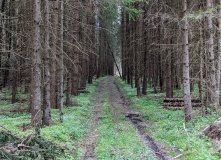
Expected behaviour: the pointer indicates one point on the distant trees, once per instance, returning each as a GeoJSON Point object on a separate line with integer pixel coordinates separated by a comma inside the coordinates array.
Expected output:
{"type": "Point", "coordinates": [167, 39]}
{"type": "Point", "coordinates": [51, 47]}
{"type": "Point", "coordinates": [54, 47]}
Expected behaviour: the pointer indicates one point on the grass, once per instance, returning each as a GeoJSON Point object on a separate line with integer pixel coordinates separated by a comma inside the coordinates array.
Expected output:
{"type": "Point", "coordinates": [167, 127]}
{"type": "Point", "coordinates": [118, 138]}
{"type": "Point", "coordinates": [20, 93]}
{"type": "Point", "coordinates": [68, 134]}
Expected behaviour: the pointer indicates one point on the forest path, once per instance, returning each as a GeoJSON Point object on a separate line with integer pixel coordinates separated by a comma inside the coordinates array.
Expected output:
{"type": "Point", "coordinates": [121, 110]}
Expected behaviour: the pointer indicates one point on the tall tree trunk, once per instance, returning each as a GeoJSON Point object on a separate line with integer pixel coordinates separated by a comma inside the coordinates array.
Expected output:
{"type": "Point", "coordinates": [219, 56]}
{"type": "Point", "coordinates": [61, 66]}
{"type": "Point", "coordinates": [144, 89]}
{"type": "Point", "coordinates": [15, 67]}
{"type": "Point", "coordinates": [169, 89]}
{"type": "Point", "coordinates": [3, 41]}
{"type": "Point", "coordinates": [186, 72]}
{"type": "Point", "coordinates": [36, 67]}
{"type": "Point", "coordinates": [46, 119]}
{"type": "Point", "coordinates": [54, 55]}
{"type": "Point", "coordinates": [137, 58]}
{"type": "Point", "coordinates": [69, 83]}
{"type": "Point", "coordinates": [85, 56]}
{"type": "Point", "coordinates": [14, 82]}
{"type": "Point", "coordinates": [201, 71]}
{"type": "Point", "coordinates": [123, 44]}
{"type": "Point", "coordinates": [214, 99]}
{"type": "Point", "coordinates": [99, 60]}
{"type": "Point", "coordinates": [92, 50]}
{"type": "Point", "coordinates": [76, 51]}
{"type": "Point", "coordinates": [15, 60]}
{"type": "Point", "coordinates": [128, 59]}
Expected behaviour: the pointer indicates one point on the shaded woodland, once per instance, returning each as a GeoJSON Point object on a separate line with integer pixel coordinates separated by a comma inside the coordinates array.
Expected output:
{"type": "Point", "coordinates": [173, 45]}
{"type": "Point", "coordinates": [52, 48]}
{"type": "Point", "coordinates": [113, 68]}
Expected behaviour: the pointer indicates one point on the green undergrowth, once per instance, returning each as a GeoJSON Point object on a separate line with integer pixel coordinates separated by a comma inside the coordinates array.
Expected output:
{"type": "Point", "coordinates": [167, 126]}
{"type": "Point", "coordinates": [118, 138]}
{"type": "Point", "coordinates": [7, 92]}
{"type": "Point", "coordinates": [68, 134]}
{"type": "Point", "coordinates": [32, 146]}
{"type": "Point", "coordinates": [7, 106]}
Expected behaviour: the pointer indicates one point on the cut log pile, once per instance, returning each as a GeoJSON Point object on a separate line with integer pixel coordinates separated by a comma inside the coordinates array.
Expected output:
{"type": "Point", "coordinates": [20, 100]}
{"type": "Point", "coordinates": [178, 103]}
{"type": "Point", "coordinates": [80, 90]}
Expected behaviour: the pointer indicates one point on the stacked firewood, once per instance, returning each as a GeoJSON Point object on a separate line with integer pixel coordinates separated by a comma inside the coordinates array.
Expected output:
{"type": "Point", "coordinates": [178, 103]}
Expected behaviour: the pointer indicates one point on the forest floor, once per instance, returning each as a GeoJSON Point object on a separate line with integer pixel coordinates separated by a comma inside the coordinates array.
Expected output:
{"type": "Point", "coordinates": [118, 130]}
{"type": "Point", "coordinates": [112, 123]}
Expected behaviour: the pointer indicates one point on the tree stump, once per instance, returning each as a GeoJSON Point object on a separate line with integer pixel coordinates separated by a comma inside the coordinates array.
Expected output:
{"type": "Point", "coordinates": [214, 130]}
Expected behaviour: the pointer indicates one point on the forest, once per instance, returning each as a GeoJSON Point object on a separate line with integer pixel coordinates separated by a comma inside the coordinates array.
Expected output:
{"type": "Point", "coordinates": [110, 79]}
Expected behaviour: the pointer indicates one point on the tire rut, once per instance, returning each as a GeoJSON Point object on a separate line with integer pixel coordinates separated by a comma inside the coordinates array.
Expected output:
{"type": "Point", "coordinates": [92, 135]}
{"type": "Point", "coordinates": [159, 152]}
{"type": "Point", "coordinates": [117, 98]}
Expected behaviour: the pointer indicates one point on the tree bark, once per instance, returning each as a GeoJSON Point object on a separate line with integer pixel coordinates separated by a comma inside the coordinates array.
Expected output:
{"type": "Point", "coordinates": [214, 99]}
{"type": "Point", "coordinates": [76, 52]}
{"type": "Point", "coordinates": [61, 65]}
{"type": "Point", "coordinates": [46, 94]}
{"type": "Point", "coordinates": [85, 56]}
{"type": "Point", "coordinates": [54, 55]}
{"type": "Point", "coordinates": [36, 67]}
{"type": "Point", "coordinates": [186, 73]}
{"type": "Point", "coordinates": [169, 89]}
{"type": "Point", "coordinates": [219, 56]}
{"type": "Point", "coordinates": [201, 71]}
{"type": "Point", "coordinates": [144, 88]}
{"type": "Point", "coordinates": [15, 60]}
{"type": "Point", "coordinates": [92, 48]}
{"type": "Point", "coordinates": [46, 119]}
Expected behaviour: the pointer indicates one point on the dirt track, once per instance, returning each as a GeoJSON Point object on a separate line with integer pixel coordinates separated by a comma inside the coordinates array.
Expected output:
{"type": "Point", "coordinates": [115, 98]}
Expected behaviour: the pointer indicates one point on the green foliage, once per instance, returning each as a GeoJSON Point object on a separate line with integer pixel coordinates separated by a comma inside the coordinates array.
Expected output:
{"type": "Point", "coordinates": [130, 9]}
{"type": "Point", "coordinates": [67, 134]}
{"type": "Point", "coordinates": [32, 146]}
{"type": "Point", "coordinates": [118, 138]}
{"type": "Point", "coordinates": [167, 127]}
{"type": "Point", "coordinates": [199, 15]}
{"type": "Point", "coordinates": [20, 93]}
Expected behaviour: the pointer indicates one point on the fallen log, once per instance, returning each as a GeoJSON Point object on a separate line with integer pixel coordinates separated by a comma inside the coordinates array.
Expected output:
{"type": "Point", "coordinates": [83, 91]}
{"type": "Point", "coordinates": [83, 88]}
{"type": "Point", "coordinates": [79, 89]}
{"type": "Point", "coordinates": [20, 100]}
{"type": "Point", "coordinates": [181, 105]}
{"type": "Point", "coordinates": [132, 114]}
{"type": "Point", "coordinates": [180, 100]}
{"type": "Point", "coordinates": [177, 108]}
